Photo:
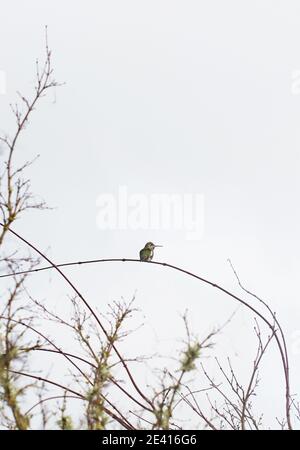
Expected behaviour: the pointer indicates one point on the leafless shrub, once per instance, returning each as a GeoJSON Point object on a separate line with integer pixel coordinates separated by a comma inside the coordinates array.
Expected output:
{"type": "Point", "coordinates": [92, 377]}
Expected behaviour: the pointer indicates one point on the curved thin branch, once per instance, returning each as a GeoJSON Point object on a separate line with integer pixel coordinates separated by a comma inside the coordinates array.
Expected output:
{"type": "Point", "coordinates": [88, 307]}
{"type": "Point", "coordinates": [108, 412]}
{"type": "Point", "coordinates": [70, 355]}
{"type": "Point", "coordinates": [19, 322]}
{"type": "Point", "coordinates": [52, 398]}
{"type": "Point", "coordinates": [111, 379]}
{"type": "Point", "coordinates": [282, 351]}
{"type": "Point", "coordinates": [273, 315]}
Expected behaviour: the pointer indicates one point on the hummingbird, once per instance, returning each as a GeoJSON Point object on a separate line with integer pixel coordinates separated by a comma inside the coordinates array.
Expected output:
{"type": "Point", "coordinates": [146, 254]}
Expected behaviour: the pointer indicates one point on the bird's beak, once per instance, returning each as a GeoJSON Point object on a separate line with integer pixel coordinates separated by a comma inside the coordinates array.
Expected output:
{"type": "Point", "coordinates": [158, 245]}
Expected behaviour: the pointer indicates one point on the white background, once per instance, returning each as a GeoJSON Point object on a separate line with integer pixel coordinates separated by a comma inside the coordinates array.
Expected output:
{"type": "Point", "coordinates": [171, 97]}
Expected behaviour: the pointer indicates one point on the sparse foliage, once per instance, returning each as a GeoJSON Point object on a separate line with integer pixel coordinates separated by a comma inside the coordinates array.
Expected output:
{"type": "Point", "coordinates": [109, 397]}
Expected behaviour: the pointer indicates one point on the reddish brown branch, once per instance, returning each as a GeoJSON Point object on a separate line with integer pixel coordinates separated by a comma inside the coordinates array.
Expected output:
{"type": "Point", "coordinates": [123, 422]}
{"type": "Point", "coordinates": [88, 307]}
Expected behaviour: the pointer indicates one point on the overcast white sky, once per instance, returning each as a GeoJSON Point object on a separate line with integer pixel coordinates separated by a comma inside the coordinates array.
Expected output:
{"type": "Point", "coordinates": [173, 97]}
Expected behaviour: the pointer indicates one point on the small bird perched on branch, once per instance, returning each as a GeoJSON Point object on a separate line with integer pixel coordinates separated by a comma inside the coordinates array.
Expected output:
{"type": "Point", "coordinates": [146, 254]}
